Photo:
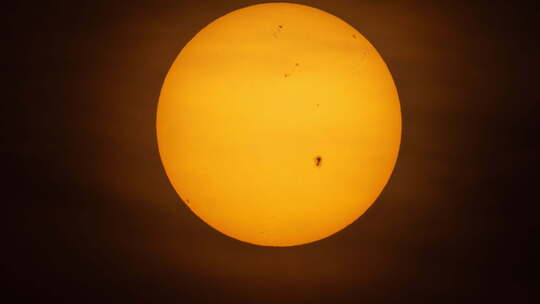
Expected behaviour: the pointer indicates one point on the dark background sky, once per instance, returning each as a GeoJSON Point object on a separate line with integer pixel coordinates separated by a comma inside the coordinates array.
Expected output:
{"type": "Point", "coordinates": [91, 217]}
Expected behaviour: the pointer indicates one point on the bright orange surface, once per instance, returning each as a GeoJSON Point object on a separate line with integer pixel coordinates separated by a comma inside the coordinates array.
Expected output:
{"type": "Point", "coordinates": [278, 124]}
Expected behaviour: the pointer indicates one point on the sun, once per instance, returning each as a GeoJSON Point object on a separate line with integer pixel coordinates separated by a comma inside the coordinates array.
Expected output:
{"type": "Point", "coordinates": [278, 124]}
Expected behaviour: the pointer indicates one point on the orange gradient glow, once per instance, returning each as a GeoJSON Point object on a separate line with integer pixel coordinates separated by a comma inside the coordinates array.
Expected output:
{"type": "Point", "coordinates": [278, 124]}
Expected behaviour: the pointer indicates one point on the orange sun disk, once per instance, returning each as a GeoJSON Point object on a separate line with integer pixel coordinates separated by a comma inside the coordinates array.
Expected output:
{"type": "Point", "coordinates": [278, 124]}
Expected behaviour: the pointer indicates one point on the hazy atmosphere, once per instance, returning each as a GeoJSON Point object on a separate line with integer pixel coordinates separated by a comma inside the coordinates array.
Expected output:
{"type": "Point", "coordinates": [92, 218]}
